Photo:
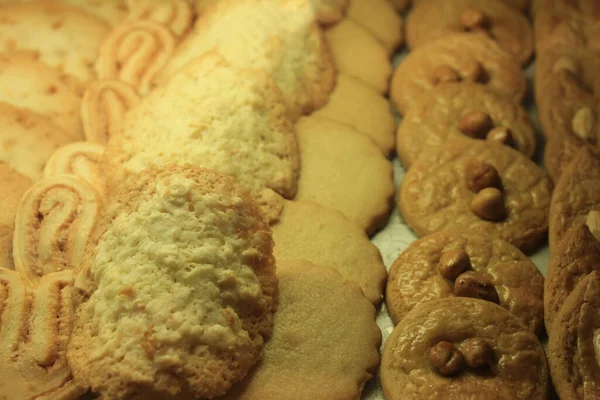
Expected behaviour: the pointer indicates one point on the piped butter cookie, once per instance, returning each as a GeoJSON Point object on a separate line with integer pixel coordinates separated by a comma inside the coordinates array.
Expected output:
{"type": "Point", "coordinates": [14, 185]}
{"type": "Point", "coordinates": [176, 15]}
{"type": "Point", "coordinates": [380, 19]}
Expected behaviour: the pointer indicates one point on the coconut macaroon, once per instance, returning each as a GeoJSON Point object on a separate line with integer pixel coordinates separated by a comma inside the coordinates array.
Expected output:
{"type": "Point", "coordinates": [177, 289]}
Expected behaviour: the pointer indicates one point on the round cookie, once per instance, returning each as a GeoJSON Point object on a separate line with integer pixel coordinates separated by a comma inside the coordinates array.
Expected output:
{"type": "Point", "coordinates": [14, 185]}
{"type": "Point", "coordinates": [461, 348]}
{"type": "Point", "coordinates": [325, 237]}
{"type": "Point", "coordinates": [464, 57]}
{"type": "Point", "coordinates": [559, 152]}
{"type": "Point", "coordinates": [455, 263]}
{"type": "Point", "coordinates": [463, 109]}
{"type": "Point", "coordinates": [344, 170]}
{"type": "Point", "coordinates": [433, 19]}
{"type": "Point", "coordinates": [478, 186]}
{"type": "Point", "coordinates": [325, 342]}
{"type": "Point", "coordinates": [380, 19]}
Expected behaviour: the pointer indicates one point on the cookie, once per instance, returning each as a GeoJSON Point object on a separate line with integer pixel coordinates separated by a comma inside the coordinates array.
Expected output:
{"type": "Point", "coordinates": [190, 294]}
{"type": "Point", "coordinates": [29, 83]}
{"type": "Point", "coordinates": [434, 19]}
{"type": "Point", "coordinates": [103, 108]}
{"type": "Point", "coordinates": [358, 54]}
{"type": "Point", "coordinates": [558, 153]}
{"type": "Point", "coordinates": [576, 193]}
{"type": "Point", "coordinates": [380, 19]}
{"type": "Point", "coordinates": [478, 187]}
{"type": "Point", "coordinates": [344, 170]}
{"type": "Point", "coordinates": [573, 343]}
{"type": "Point", "coordinates": [28, 140]}
{"type": "Point", "coordinates": [463, 109]}
{"type": "Point", "coordinates": [209, 114]}
{"type": "Point", "coordinates": [360, 106]}
{"type": "Point", "coordinates": [463, 348]}
{"type": "Point", "coordinates": [325, 237]}
{"type": "Point", "coordinates": [522, 5]}
{"type": "Point", "coordinates": [177, 15]}
{"type": "Point", "coordinates": [306, 358]}
{"type": "Point", "coordinates": [465, 57]}
{"type": "Point", "coordinates": [13, 186]}
{"type": "Point", "coordinates": [466, 264]}
{"type": "Point", "coordinates": [400, 5]}
{"type": "Point", "coordinates": [35, 324]}
{"type": "Point", "coordinates": [134, 53]}
{"type": "Point", "coordinates": [284, 40]}
{"type": "Point", "coordinates": [64, 36]}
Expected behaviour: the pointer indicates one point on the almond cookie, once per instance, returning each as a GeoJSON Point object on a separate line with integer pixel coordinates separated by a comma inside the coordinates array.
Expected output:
{"type": "Point", "coordinates": [209, 114]}
{"type": "Point", "coordinates": [325, 342]}
{"type": "Point", "coordinates": [360, 106]}
{"type": "Point", "coordinates": [64, 36]}
{"type": "Point", "coordinates": [461, 348]}
{"type": "Point", "coordinates": [325, 237]}
{"type": "Point", "coordinates": [14, 185]}
{"type": "Point", "coordinates": [433, 19]}
{"type": "Point", "coordinates": [558, 153]}
{"type": "Point", "coordinates": [380, 19]}
{"type": "Point", "coordinates": [177, 15]}
{"type": "Point", "coordinates": [573, 343]}
{"type": "Point", "coordinates": [462, 57]}
{"type": "Point", "coordinates": [577, 192]}
{"type": "Point", "coordinates": [188, 295]}
{"type": "Point", "coordinates": [344, 170]}
{"type": "Point", "coordinates": [463, 109]}
{"type": "Point", "coordinates": [358, 54]}
{"type": "Point", "coordinates": [453, 263]}
{"type": "Point", "coordinates": [284, 40]}
{"type": "Point", "coordinates": [480, 187]}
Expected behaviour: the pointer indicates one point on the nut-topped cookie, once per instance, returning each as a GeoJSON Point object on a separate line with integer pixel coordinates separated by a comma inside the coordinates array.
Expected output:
{"type": "Point", "coordinates": [466, 264]}
{"type": "Point", "coordinates": [462, 348]}
{"type": "Point", "coordinates": [432, 19]}
{"type": "Point", "coordinates": [463, 109]}
{"type": "Point", "coordinates": [463, 57]}
{"type": "Point", "coordinates": [477, 185]}
{"type": "Point", "coordinates": [558, 153]}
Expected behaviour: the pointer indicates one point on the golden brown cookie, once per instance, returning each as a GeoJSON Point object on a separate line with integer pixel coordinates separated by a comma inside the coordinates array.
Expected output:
{"type": "Point", "coordinates": [380, 19]}
{"type": "Point", "coordinates": [400, 5]}
{"type": "Point", "coordinates": [111, 11]}
{"type": "Point", "coordinates": [325, 237]}
{"type": "Point", "coordinates": [522, 5]}
{"type": "Point", "coordinates": [478, 186]}
{"type": "Point", "coordinates": [325, 342]}
{"type": "Point", "coordinates": [344, 170]}
{"type": "Point", "coordinates": [509, 28]}
{"type": "Point", "coordinates": [188, 295]}
{"type": "Point", "coordinates": [463, 109]}
{"type": "Point", "coordinates": [462, 57]}
{"type": "Point", "coordinates": [559, 152]}
{"type": "Point", "coordinates": [13, 186]}
{"type": "Point", "coordinates": [466, 264]}
{"type": "Point", "coordinates": [177, 15]}
{"type": "Point", "coordinates": [461, 348]}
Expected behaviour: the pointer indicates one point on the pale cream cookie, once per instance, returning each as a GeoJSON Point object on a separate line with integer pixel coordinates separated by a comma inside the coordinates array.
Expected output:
{"type": "Point", "coordinates": [380, 19]}
{"type": "Point", "coordinates": [14, 185]}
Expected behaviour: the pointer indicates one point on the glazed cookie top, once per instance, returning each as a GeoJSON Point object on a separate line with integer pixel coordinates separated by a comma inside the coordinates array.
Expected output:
{"type": "Point", "coordinates": [432, 19]}
{"type": "Point", "coordinates": [464, 57]}
{"type": "Point", "coordinates": [463, 348]}
{"type": "Point", "coordinates": [464, 109]}
{"type": "Point", "coordinates": [478, 186]}
{"type": "Point", "coordinates": [453, 263]}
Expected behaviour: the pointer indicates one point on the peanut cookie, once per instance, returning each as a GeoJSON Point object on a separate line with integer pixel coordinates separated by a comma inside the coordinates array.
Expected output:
{"type": "Point", "coordinates": [480, 187]}
{"type": "Point", "coordinates": [325, 340]}
{"type": "Point", "coordinates": [188, 295]}
{"type": "Point", "coordinates": [453, 263]}
{"type": "Point", "coordinates": [509, 28]}
{"type": "Point", "coordinates": [177, 15]}
{"type": "Point", "coordinates": [463, 109]}
{"type": "Point", "coordinates": [358, 54]}
{"type": "Point", "coordinates": [380, 19]}
{"type": "Point", "coordinates": [283, 39]}
{"type": "Point", "coordinates": [360, 106]}
{"type": "Point", "coordinates": [344, 170]}
{"type": "Point", "coordinates": [461, 348]}
{"type": "Point", "coordinates": [13, 186]}
{"type": "Point", "coordinates": [573, 343]}
{"type": "Point", "coordinates": [325, 237]}
{"type": "Point", "coordinates": [558, 153]}
{"type": "Point", "coordinates": [577, 192]}
{"type": "Point", "coordinates": [465, 57]}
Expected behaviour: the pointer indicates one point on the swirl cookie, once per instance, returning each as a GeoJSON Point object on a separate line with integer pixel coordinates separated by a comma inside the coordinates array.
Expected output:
{"type": "Point", "coordinates": [433, 19]}
{"type": "Point", "coordinates": [190, 295]}
{"type": "Point", "coordinates": [283, 40]}
{"type": "Point", "coordinates": [462, 57]}
{"type": "Point", "coordinates": [207, 115]}
{"type": "Point", "coordinates": [14, 185]}
{"type": "Point", "coordinates": [463, 109]}
{"type": "Point", "coordinates": [479, 187]}
{"type": "Point", "coordinates": [344, 170]}
{"type": "Point", "coordinates": [465, 349]}
{"type": "Point", "coordinates": [308, 231]}
{"type": "Point", "coordinates": [177, 15]}
{"type": "Point", "coordinates": [453, 263]}
{"type": "Point", "coordinates": [380, 19]}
